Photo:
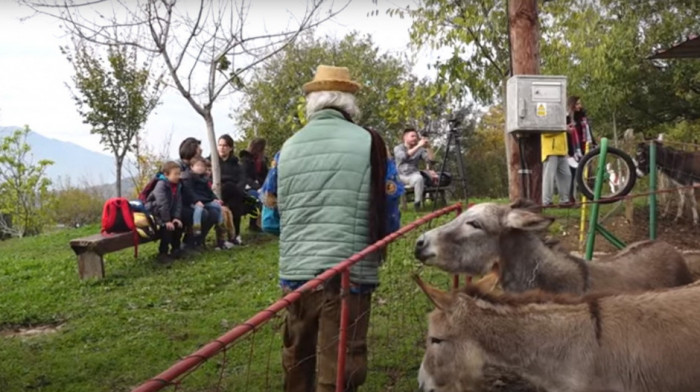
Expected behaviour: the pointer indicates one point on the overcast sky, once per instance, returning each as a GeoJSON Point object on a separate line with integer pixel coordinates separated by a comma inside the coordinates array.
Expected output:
{"type": "Point", "coordinates": [33, 73]}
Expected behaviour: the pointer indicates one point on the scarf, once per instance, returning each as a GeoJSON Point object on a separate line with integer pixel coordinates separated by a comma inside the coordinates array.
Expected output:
{"type": "Point", "coordinates": [377, 188]}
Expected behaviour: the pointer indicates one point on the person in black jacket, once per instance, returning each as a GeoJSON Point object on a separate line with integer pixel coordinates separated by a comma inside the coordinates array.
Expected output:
{"type": "Point", "coordinates": [165, 203]}
{"type": "Point", "coordinates": [190, 149]}
{"type": "Point", "coordinates": [233, 183]}
{"type": "Point", "coordinates": [202, 195]}
{"type": "Point", "coordinates": [255, 163]}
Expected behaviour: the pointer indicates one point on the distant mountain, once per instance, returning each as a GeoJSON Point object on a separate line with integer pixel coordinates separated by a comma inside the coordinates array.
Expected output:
{"type": "Point", "coordinates": [82, 166]}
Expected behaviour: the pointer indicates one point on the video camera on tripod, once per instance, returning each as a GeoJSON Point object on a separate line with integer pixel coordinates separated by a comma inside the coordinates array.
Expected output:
{"type": "Point", "coordinates": [454, 131]}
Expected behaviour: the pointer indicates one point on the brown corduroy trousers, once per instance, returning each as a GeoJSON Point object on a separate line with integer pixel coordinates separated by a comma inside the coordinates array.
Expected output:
{"type": "Point", "coordinates": [310, 338]}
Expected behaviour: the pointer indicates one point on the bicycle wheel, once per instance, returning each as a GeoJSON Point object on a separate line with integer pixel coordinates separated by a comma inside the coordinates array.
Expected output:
{"type": "Point", "coordinates": [619, 177]}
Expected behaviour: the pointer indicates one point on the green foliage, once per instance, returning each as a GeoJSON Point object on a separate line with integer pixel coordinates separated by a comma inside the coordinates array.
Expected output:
{"type": "Point", "coordinates": [683, 131]}
{"type": "Point", "coordinates": [24, 188]}
{"type": "Point", "coordinates": [391, 97]}
{"type": "Point", "coordinates": [602, 47]}
{"type": "Point", "coordinates": [115, 98]}
{"type": "Point", "coordinates": [77, 206]}
{"type": "Point", "coordinates": [476, 33]}
{"type": "Point", "coordinates": [605, 56]}
{"type": "Point", "coordinates": [487, 174]}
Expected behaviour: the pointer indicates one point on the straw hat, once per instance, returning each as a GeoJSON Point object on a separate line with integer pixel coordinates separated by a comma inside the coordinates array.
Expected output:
{"type": "Point", "coordinates": [329, 78]}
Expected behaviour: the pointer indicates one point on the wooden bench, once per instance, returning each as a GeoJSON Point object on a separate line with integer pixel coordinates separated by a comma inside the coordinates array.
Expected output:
{"type": "Point", "coordinates": [91, 249]}
{"type": "Point", "coordinates": [436, 194]}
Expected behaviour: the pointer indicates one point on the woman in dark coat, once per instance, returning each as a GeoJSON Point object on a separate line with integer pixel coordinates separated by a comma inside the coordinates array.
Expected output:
{"type": "Point", "coordinates": [233, 182]}
{"type": "Point", "coordinates": [255, 163]}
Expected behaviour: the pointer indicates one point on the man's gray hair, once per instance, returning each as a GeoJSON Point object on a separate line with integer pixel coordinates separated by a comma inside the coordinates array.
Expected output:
{"type": "Point", "coordinates": [319, 100]}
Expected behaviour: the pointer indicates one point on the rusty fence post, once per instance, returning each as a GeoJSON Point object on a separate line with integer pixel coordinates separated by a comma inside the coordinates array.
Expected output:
{"type": "Point", "coordinates": [455, 278]}
{"type": "Point", "coordinates": [344, 321]}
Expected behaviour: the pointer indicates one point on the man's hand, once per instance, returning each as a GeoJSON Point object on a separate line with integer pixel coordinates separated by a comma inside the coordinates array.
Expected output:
{"type": "Point", "coordinates": [423, 142]}
{"type": "Point", "coordinates": [170, 226]}
{"type": "Point", "coordinates": [177, 222]}
{"type": "Point", "coordinates": [434, 176]}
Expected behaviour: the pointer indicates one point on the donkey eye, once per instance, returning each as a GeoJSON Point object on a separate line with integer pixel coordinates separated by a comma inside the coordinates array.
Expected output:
{"type": "Point", "coordinates": [434, 340]}
{"type": "Point", "coordinates": [475, 224]}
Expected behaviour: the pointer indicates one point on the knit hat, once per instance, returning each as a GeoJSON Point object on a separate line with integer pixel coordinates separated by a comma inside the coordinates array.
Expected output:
{"type": "Point", "coordinates": [329, 78]}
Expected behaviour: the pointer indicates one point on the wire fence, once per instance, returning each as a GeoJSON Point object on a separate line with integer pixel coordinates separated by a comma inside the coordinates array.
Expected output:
{"type": "Point", "coordinates": [248, 357]}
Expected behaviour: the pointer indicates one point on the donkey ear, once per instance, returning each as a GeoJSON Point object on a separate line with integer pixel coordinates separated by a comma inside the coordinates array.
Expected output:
{"type": "Point", "coordinates": [527, 220]}
{"type": "Point", "coordinates": [488, 283]}
{"type": "Point", "coordinates": [441, 299]}
{"type": "Point", "coordinates": [526, 204]}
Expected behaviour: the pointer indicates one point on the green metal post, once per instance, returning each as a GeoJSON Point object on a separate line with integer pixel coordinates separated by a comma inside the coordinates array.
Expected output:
{"type": "Point", "coordinates": [652, 190]}
{"type": "Point", "coordinates": [599, 178]}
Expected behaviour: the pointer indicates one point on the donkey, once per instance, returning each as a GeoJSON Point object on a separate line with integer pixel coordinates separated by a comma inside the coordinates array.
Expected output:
{"type": "Point", "coordinates": [682, 168]}
{"type": "Point", "coordinates": [488, 231]}
{"type": "Point", "coordinates": [627, 342]}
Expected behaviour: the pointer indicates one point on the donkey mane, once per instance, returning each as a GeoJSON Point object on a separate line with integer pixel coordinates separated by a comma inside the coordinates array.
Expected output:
{"type": "Point", "coordinates": [535, 296]}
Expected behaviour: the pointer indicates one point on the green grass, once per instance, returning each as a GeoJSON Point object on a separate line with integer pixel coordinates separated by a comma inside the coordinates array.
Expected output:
{"type": "Point", "coordinates": [117, 332]}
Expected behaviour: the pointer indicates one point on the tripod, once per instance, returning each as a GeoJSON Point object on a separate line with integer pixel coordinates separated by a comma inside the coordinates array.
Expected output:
{"type": "Point", "coordinates": [453, 137]}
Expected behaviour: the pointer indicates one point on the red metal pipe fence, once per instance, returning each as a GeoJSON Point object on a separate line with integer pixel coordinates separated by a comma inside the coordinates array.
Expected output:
{"type": "Point", "coordinates": [192, 361]}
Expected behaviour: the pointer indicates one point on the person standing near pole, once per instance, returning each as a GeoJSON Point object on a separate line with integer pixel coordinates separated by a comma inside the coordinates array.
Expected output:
{"type": "Point", "coordinates": [555, 167]}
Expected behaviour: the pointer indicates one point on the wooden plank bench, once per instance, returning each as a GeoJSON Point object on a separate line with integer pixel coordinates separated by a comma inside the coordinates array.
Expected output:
{"type": "Point", "coordinates": [91, 249]}
{"type": "Point", "coordinates": [436, 194]}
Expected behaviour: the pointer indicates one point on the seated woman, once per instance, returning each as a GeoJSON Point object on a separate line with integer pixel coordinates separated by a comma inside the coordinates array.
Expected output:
{"type": "Point", "coordinates": [233, 183]}
{"type": "Point", "coordinates": [190, 149]}
{"type": "Point", "coordinates": [204, 197]}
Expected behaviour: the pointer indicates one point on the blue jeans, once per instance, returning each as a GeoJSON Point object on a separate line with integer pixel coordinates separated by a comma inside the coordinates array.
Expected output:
{"type": "Point", "coordinates": [213, 206]}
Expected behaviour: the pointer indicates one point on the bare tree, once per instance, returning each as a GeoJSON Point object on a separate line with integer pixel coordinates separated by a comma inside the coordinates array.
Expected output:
{"type": "Point", "coordinates": [206, 49]}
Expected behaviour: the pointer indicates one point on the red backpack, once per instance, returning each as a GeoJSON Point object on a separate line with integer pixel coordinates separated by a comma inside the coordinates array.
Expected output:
{"type": "Point", "coordinates": [143, 195]}
{"type": "Point", "coordinates": [117, 217]}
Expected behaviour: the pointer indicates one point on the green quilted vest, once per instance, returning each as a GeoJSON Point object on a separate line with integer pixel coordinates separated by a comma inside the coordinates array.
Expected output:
{"type": "Point", "coordinates": [323, 198]}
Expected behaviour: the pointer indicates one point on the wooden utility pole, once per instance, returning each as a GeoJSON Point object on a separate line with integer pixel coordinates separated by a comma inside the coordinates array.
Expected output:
{"type": "Point", "coordinates": [525, 57]}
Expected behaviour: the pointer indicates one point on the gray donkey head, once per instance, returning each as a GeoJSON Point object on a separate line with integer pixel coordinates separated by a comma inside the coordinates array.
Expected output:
{"type": "Point", "coordinates": [474, 240]}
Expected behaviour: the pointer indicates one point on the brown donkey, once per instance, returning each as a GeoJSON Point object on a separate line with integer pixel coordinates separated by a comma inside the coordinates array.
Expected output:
{"type": "Point", "coordinates": [632, 342]}
{"type": "Point", "coordinates": [486, 232]}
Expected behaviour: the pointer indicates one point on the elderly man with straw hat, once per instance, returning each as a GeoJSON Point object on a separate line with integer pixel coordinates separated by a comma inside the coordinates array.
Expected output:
{"type": "Point", "coordinates": [331, 201]}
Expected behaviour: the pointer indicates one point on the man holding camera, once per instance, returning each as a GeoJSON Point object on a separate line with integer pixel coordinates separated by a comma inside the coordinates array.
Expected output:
{"type": "Point", "coordinates": [407, 155]}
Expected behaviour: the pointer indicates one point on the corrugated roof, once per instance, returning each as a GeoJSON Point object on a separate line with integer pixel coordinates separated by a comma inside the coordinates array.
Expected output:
{"type": "Point", "coordinates": [688, 49]}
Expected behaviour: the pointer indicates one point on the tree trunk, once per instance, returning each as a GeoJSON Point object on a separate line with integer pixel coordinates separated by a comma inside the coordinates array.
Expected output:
{"type": "Point", "coordinates": [119, 176]}
{"type": "Point", "coordinates": [524, 43]}
{"type": "Point", "coordinates": [211, 136]}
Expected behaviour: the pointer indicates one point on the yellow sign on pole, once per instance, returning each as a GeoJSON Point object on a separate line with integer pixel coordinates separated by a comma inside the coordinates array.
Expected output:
{"type": "Point", "coordinates": [541, 110]}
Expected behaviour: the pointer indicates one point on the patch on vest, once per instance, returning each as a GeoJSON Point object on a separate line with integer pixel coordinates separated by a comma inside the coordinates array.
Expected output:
{"type": "Point", "coordinates": [390, 187]}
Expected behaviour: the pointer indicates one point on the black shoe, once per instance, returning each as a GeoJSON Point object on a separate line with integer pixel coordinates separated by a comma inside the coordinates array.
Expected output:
{"type": "Point", "coordinates": [417, 206]}
{"type": "Point", "coordinates": [190, 252]}
{"type": "Point", "coordinates": [164, 259]}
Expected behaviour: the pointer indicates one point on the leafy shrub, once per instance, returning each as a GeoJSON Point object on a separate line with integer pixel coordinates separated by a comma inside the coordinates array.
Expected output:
{"type": "Point", "coordinates": [77, 207]}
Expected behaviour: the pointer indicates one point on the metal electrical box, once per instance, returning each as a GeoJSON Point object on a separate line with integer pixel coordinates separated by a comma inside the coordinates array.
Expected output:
{"type": "Point", "coordinates": [536, 104]}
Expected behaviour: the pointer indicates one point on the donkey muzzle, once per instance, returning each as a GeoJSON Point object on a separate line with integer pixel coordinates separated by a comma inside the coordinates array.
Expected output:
{"type": "Point", "coordinates": [422, 249]}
